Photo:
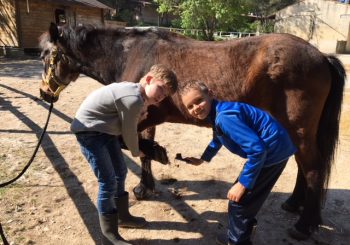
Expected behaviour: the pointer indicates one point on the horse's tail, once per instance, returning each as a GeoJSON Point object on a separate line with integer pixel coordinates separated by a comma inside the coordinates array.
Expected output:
{"type": "Point", "coordinates": [328, 130]}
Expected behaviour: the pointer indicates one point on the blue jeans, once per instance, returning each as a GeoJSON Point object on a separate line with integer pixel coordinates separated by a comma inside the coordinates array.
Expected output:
{"type": "Point", "coordinates": [241, 215]}
{"type": "Point", "coordinates": [105, 157]}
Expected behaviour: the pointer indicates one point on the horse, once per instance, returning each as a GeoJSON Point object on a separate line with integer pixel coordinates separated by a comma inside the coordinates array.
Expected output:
{"type": "Point", "coordinates": [280, 73]}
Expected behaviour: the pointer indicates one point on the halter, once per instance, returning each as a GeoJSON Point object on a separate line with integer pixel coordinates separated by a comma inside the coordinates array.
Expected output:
{"type": "Point", "coordinates": [50, 77]}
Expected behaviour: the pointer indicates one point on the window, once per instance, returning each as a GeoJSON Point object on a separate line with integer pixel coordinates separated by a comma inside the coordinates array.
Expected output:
{"type": "Point", "coordinates": [60, 17]}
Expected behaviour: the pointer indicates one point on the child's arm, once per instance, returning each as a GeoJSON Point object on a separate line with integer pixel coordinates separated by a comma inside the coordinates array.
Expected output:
{"type": "Point", "coordinates": [129, 112]}
{"type": "Point", "coordinates": [250, 143]}
{"type": "Point", "coordinates": [189, 160]}
{"type": "Point", "coordinates": [213, 148]}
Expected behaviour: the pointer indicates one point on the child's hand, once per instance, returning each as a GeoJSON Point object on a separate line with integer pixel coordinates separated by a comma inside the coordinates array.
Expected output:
{"type": "Point", "coordinates": [189, 160]}
{"type": "Point", "coordinates": [236, 192]}
{"type": "Point", "coordinates": [193, 160]}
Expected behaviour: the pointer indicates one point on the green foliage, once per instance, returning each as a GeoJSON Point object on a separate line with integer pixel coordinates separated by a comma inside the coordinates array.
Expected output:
{"type": "Point", "coordinates": [198, 36]}
{"type": "Point", "coordinates": [167, 6]}
{"type": "Point", "coordinates": [206, 15]}
{"type": "Point", "coordinates": [224, 15]}
{"type": "Point", "coordinates": [267, 7]}
{"type": "Point", "coordinates": [265, 26]}
{"type": "Point", "coordinates": [176, 23]}
{"type": "Point", "coordinates": [262, 9]}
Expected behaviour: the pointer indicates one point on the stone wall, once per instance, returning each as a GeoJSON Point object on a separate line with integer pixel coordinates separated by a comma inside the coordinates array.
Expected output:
{"type": "Point", "coordinates": [323, 23]}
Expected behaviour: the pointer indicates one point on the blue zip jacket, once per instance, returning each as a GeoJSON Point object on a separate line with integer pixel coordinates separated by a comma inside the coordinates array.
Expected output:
{"type": "Point", "coordinates": [250, 133]}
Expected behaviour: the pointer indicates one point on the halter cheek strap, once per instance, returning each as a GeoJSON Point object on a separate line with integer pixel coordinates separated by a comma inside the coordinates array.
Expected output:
{"type": "Point", "coordinates": [51, 77]}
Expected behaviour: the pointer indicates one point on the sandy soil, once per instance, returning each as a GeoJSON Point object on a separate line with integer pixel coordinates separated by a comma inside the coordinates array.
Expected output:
{"type": "Point", "coordinates": [54, 202]}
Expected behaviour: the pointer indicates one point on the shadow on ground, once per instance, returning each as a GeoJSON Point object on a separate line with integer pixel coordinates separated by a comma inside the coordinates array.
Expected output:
{"type": "Point", "coordinates": [24, 68]}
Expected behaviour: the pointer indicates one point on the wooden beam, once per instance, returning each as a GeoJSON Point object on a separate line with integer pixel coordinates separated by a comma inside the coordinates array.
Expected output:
{"type": "Point", "coordinates": [18, 24]}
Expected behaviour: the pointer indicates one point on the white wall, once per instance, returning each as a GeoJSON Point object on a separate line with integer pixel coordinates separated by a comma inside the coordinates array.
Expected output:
{"type": "Point", "coordinates": [321, 22]}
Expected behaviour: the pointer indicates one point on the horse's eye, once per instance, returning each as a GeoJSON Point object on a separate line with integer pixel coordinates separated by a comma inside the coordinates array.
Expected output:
{"type": "Point", "coordinates": [43, 54]}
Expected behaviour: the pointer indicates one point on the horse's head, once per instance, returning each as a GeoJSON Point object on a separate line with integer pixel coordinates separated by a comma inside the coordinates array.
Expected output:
{"type": "Point", "coordinates": [59, 67]}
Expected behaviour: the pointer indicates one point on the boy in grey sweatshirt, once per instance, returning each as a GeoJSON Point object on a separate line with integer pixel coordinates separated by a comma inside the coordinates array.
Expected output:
{"type": "Point", "coordinates": [107, 113]}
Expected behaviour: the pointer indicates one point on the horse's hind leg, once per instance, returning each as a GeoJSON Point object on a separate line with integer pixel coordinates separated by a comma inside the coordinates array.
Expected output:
{"type": "Point", "coordinates": [296, 200]}
{"type": "Point", "coordinates": [146, 186]}
{"type": "Point", "coordinates": [309, 162]}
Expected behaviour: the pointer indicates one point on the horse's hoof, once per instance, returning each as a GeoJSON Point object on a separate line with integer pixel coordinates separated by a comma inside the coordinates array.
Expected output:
{"type": "Point", "coordinates": [160, 155]}
{"type": "Point", "coordinates": [298, 235]}
{"type": "Point", "coordinates": [141, 192]}
{"type": "Point", "coordinates": [153, 151]}
{"type": "Point", "coordinates": [290, 208]}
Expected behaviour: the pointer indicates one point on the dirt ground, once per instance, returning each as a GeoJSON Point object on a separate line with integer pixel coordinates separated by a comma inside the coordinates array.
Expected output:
{"type": "Point", "coordinates": [54, 202]}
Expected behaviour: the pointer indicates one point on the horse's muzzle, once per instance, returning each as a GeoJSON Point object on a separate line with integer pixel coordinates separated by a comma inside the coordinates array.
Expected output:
{"type": "Point", "coordinates": [48, 96]}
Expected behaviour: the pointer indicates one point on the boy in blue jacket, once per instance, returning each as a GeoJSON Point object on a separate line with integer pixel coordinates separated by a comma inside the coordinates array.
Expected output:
{"type": "Point", "coordinates": [250, 133]}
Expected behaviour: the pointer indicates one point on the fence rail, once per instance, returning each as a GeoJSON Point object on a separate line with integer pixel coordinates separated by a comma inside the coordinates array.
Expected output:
{"type": "Point", "coordinates": [232, 35]}
{"type": "Point", "coordinates": [224, 35]}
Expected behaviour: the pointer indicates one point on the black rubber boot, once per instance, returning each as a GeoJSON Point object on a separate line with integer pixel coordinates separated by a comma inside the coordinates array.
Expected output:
{"type": "Point", "coordinates": [298, 234]}
{"type": "Point", "coordinates": [222, 239]}
{"type": "Point", "coordinates": [125, 219]}
{"type": "Point", "coordinates": [109, 228]}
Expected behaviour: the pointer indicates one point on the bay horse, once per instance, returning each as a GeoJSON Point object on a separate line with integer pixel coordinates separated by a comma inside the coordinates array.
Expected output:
{"type": "Point", "coordinates": [280, 73]}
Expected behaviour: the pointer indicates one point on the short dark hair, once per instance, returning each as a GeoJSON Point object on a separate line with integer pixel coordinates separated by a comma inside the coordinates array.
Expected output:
{"type": "Point", "coordinates": [193, 84]}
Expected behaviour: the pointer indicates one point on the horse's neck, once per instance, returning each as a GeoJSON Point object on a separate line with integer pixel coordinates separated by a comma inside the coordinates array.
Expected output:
{"type": "Point", "coordinates": [121, 58]}
{"type": "Point", "coordinates": [102, 68]}
{"type": "Point", "coordinates": [93, 73]}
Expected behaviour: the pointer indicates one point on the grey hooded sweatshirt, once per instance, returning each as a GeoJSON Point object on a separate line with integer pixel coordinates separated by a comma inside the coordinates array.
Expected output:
{"type": "Point", "coordinates": [113, 109]}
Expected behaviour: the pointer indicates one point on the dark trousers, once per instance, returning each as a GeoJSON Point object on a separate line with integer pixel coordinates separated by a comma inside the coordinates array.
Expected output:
{"type": "Point", "coordinates": [241, 215]}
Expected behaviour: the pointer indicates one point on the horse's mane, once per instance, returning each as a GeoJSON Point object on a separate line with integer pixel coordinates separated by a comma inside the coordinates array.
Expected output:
{"type": "Point", "coordinates": [75, 36]}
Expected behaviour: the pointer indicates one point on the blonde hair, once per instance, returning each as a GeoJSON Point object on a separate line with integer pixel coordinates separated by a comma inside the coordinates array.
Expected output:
{"type": "Point", "coordinates": [193, 84]}
{"type": "Point", "coordinates": [161, 72]}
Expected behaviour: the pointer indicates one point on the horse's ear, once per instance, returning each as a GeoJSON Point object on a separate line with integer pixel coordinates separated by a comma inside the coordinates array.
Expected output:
{"type": "Point", "coordinates": [54, 34]}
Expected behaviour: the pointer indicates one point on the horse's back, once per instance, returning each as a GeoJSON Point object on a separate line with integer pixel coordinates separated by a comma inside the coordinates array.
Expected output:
{"type": "Point", "coordinates": [280, 73]}
{"type": "Point", "coordinates": [239, 69]}
{"type": "Point", "coordinates": [277, 72]}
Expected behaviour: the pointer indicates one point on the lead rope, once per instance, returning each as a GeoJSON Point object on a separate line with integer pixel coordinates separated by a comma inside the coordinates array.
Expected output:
{"type": "Point", "coordinates": [26, 167]}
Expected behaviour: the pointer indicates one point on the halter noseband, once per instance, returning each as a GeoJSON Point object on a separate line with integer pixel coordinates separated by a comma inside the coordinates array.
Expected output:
{"type": "Point", "coordinates": [51, 77]}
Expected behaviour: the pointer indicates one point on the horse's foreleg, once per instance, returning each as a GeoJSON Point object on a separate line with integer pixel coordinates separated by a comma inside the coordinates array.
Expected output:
{"type": "Point", "coordinates": [146, 186]}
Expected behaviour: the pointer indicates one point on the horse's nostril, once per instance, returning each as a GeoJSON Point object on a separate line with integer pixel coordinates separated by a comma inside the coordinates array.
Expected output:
{"type": "Point", "coordinates": [47, 96]}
